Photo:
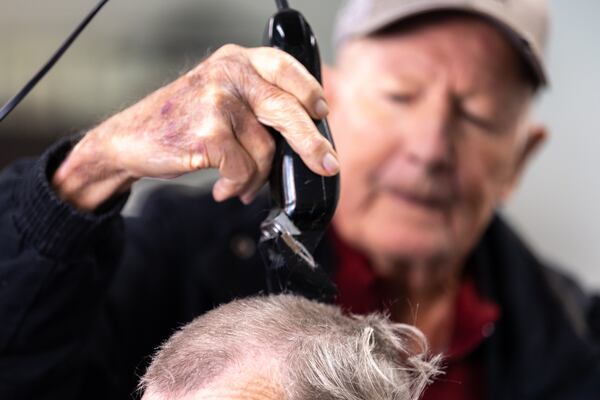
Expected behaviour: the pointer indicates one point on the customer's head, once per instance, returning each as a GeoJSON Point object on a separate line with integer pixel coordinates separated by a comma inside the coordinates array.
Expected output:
{"type": "Point", "coordinates": [289, 348]}
{"type": "Point", "coordinates": [430, 104]}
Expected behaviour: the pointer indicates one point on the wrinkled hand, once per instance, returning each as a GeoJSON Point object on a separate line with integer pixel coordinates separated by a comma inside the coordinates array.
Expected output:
{"type": "Point", "coordinates": [212, 117]}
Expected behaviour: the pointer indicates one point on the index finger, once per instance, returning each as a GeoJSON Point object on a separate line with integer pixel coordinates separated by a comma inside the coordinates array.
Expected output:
{"type": "Point", "coordinates": [283, 112]}
{"type": "Point", "coordinates": [284, 71]}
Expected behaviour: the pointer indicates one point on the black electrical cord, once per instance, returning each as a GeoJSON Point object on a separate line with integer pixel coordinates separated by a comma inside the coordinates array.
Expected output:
{"type": "Point", "coordinates": [12, 103]}
{"type": "Point", "coordinates": [282, 4]}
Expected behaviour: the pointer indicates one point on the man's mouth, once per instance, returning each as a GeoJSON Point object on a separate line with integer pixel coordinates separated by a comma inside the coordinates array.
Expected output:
{"type": "Point", "coordinates": [432, 201]}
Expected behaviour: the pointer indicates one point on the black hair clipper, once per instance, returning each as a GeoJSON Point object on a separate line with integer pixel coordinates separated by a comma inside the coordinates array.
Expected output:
{"type": "Point", "coordinates": [302, 202]}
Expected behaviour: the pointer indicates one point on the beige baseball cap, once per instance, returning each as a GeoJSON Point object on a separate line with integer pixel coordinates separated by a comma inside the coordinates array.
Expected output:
{"type": "Point", "coordinates": [525, 22]}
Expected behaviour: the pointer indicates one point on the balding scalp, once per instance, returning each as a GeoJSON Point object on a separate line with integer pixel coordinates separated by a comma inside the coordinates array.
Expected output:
{"type": "Point", "coordinates": [319, 352]}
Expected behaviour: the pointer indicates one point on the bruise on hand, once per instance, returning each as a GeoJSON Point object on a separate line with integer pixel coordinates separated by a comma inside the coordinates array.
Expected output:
{"type": "Point", "coordinates": [195, 114]}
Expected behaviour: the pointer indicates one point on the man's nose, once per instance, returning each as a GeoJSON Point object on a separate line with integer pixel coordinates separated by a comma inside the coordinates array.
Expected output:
{"type": "Point", "coordinates": [427, 142]}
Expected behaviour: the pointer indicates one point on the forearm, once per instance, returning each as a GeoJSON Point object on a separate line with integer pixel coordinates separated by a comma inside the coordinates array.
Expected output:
{"type": "Point", "coordinates": [113, 155]}
{"type": "Point", "coordinates": [89, 176]}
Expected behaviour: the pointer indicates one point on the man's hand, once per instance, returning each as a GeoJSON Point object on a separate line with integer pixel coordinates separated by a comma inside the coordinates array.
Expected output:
{"type": "Point", "coordinates": [209, 118]}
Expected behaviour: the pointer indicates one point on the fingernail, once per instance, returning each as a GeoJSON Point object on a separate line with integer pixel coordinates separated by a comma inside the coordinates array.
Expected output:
{"type": "Point", "coordinates": [331, 164]}
{"type": "Point", "coordinates": [219, 191]}
{"type": "Point", "coordinates": [247, 198]}
{"type": "Point", "coordinates": [321, 108]}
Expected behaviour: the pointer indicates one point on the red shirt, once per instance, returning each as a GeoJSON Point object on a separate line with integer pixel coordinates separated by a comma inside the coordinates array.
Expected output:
{"type": "Point", "coordinates": [463, 377]}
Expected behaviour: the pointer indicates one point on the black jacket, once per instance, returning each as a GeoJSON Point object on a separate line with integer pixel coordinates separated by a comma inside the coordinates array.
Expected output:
{"type": "Point", "coordinates": [86, 298]}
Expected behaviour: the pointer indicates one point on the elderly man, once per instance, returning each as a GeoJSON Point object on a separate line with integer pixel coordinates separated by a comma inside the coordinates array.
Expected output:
{"type": "Point", "coordinates": [289, 348]}
{"type": "Point", "coordinates": [429, 106]}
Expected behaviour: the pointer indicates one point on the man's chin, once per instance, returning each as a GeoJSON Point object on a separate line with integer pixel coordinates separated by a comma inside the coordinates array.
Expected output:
{"type": "Point", "coordinates": [413, 247]}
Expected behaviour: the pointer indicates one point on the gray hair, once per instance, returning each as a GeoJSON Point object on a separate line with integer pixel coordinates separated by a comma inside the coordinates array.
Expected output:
{"type": "Point", "coordinates": [321, 353]}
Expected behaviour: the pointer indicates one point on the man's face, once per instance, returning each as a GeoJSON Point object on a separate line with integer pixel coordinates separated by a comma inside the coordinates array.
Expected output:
{"type": "Point", "coordinates": [430, 126]}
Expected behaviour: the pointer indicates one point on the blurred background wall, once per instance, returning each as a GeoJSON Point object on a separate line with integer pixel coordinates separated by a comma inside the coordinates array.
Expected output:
{"type": "Point", "coordinates": [135, 46]}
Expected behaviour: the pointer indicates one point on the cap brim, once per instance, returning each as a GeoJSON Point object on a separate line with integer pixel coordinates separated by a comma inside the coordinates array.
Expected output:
{"type": "Point", "coordinates": [523, 44]}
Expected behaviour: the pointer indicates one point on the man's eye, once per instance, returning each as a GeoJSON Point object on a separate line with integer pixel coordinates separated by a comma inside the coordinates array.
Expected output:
{"type": "Point", "coordinates": [400, 98]}
{"type": "Point", "coordinates": [476, 120]}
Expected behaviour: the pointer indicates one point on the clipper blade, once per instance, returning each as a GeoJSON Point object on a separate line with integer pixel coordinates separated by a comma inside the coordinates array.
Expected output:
{"type": "Point", "coordinates": [291, 267]}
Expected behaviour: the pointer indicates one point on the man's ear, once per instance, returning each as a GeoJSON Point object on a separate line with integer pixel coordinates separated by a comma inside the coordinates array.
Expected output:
{"type": "Point", "coordinates": [536, 137]}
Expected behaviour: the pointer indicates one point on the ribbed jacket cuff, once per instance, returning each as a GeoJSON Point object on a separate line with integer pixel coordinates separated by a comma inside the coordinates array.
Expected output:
{"type": "Point", "coordinates": [56, 228]}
